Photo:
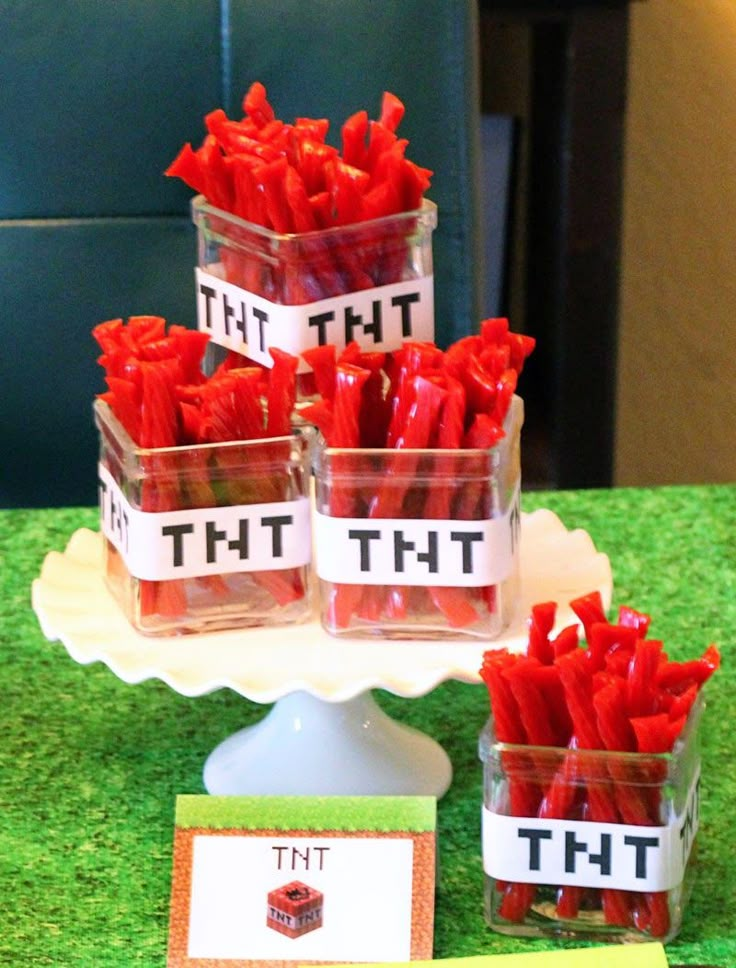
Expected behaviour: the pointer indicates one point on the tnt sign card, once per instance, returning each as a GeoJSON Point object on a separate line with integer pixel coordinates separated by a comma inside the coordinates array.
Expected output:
{"type": "Point", "coordinates": [267, 880]}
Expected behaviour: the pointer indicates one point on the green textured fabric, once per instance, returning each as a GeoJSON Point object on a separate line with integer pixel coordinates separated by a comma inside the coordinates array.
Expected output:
{"type": "Point", "coordinates": [90, 767]}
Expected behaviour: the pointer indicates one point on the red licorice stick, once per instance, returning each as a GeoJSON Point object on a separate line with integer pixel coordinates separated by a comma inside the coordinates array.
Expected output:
{"type": "Point", "coordinates": [507, 722]}
{"type": "Point", "coordinates": [281, 393]}
{"type": "Point", "coordinates": [650, 912]}
{"type": "Point", "coordinates": [569, 898]}
{"type": "Point", "coordinates": [452, 416]}
{"type": "Point", "coordinates": [576, 679]}
{"type": "Point", "coordinates": [575, 674]}
{"type": "Point", "coordinates": [541, 622]}
{"type": "Point", "coordinates": [657, 732]}
{"type": "Point", "coordinates": [392, 111]}
{"type": "Point", "coordinates": [412, 359]}
{"type": "Point", "coordinates": [508, 728]}
{"type": "Point", "coordinates": [589, 609]}
{"type": "Point", "coordinates": [421, 415]}
{"type": "Point", "coordinates": [654, 734]}
{"type": "Point", "coordinates": [630, 618]}
{"type": "Point", "coordinates": [323, 361]}
{"type": "Point", "coordinates": [159, 490]}
{"type": "Point", "coordinates": [567, 640]}
{"type": "Point", "coordinates": [532, 702]}
{"type": "Point", "coordinates": [610, 644]}
{"type": "Point", "coordinates": [540, 697]}
{"type": "Point", "coordinates": [256, 106]}
{"type": "Point", "coordinates": [349, 381]}
{"type": "Point", "coordinates": [641, 692]}
{"type": "Point", "coordinates": [454, 603]}
{"type": "Point", "coordinates": [482, 435]}
{"type": "Point", "coordinates": [614, 728]}
{"type": "Point", "coordinates": [231, 409]}
{"type": "Point", "coordinates": [617, 734]}
{"type": "Point", "coordinates": [679, 676]}
{"type": "Point", "coordinates": [124, 398]}
{"type": "Point", "coordinates": [374, 410]}
{"type": "Point", "coordinates": [218, 188]}
{"type": "Point", "coordinates": [424, 402]}
{"type": "Point", "coordinates": [535, 714]}
{"type": "Point", "coordinates": [321, 414]}
{"type": "Point", "coordinates": [354, 132]}
{"type": "Point", "coordinates": [680, 705]}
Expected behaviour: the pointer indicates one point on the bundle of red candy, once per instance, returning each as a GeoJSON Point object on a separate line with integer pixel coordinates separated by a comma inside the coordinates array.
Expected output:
{"type": "Point", "coordinates": [158, 392]}
{"type": "Point", "coordinates": [621, 693]}
{"type": "Point", "coordinates": [285, 177]}
{"type": "Point", "coordinates": [418, 397]}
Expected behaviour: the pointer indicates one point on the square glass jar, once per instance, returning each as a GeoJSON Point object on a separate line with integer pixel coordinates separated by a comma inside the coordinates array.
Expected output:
{"type": "Point", "coordinates": [206, 537]}
{"type": "Point", "coordinates": [369, 282]}
{"type": "Point", "coordinates": [419, 543]}
{"type": "Point", "coordinates": [589, 844]}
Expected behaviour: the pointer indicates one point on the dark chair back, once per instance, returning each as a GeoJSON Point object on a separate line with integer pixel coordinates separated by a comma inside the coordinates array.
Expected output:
{"type": "Point", "coordinates": [97, 100]}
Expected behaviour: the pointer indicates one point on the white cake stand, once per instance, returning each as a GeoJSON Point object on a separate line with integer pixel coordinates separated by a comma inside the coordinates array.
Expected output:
{"type": "Point", "coordinates": [325, 734]}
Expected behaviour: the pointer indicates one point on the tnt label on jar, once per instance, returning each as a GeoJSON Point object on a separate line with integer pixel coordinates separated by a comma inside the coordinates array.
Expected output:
{"type": "Point", "coordinates": [379, 318]}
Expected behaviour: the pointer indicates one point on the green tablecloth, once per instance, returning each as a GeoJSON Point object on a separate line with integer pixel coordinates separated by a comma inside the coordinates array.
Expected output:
{"type": "Point", "coordinates": [90, 767]}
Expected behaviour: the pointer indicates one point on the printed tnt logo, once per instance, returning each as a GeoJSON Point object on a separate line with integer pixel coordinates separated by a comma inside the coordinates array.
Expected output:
{"type": "Point", "coordinates": [294, 909]}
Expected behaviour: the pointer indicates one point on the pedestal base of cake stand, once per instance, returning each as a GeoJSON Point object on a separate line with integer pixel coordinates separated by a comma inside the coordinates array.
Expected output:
{"type": "Point", "coordinates": [310, 746]}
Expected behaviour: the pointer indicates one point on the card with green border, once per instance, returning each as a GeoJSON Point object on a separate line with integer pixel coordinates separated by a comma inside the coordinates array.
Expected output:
{"type": "Point", "coordinates": [272, 880]}
{"type": "Point", "coordinates": [647, 955]}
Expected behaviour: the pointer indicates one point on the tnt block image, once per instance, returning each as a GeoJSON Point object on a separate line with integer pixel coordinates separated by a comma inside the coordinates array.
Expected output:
{"type": "Point", "coordinates": [294, 909]}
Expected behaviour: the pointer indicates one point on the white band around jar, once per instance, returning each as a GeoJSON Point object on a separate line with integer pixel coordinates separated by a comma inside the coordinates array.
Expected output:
{"type": "Point", "coordinates": [379, 319]}
{"type": "Point", "coordinates": [599, 855]}
{"type": "Point", "coordinates": [156, 546]}
{"type": "Point", "coordinates": [392, 551]}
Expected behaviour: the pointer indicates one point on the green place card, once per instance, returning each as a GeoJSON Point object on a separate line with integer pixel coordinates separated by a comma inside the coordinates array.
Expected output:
{"type": "Point", "coordinates": [648, 955]}
{"type": "Point", "coordinates": [267, 880]}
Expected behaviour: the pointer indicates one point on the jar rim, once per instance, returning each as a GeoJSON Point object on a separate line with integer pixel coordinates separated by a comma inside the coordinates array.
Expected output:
{"type": "Point", "coordinates": [492, 750]}
{"type": "Point", "coordinates": [201, 209]}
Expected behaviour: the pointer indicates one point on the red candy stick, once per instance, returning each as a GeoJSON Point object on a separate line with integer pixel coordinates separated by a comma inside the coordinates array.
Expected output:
{"type": "Point", "coordinates": [349, 381]}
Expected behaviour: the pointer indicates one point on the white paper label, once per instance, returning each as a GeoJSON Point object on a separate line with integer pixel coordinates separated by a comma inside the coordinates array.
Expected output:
{"type": "Point", "coordinates": [389, 551]}
{"type": "Point", "coordinates": [232, 875]}
{"type": "Point", "coordinates": [205, 541]}
{"type": "Point", "coordinates": [378, 319]}
{"type": "Point", "coordinates": [622, 856]}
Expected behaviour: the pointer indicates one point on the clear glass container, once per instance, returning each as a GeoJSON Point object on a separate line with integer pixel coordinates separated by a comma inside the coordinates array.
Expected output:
{"type": "Point", "coordinates": [589, 844]}
{"type": "Point", "coordinates": [369, 282]}
{"type": "Point", "coordinates": [206, 537]}
{"type": "Point", "coordinates": [419, 543]}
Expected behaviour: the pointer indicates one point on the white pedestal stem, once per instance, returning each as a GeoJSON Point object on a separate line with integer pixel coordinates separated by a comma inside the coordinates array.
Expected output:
{"type": "Point", "coordinates": [308, 746]}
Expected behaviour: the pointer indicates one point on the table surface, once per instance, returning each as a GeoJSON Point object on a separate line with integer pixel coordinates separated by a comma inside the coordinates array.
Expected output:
{"type": "Point", "coordinates": [91, 766]}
